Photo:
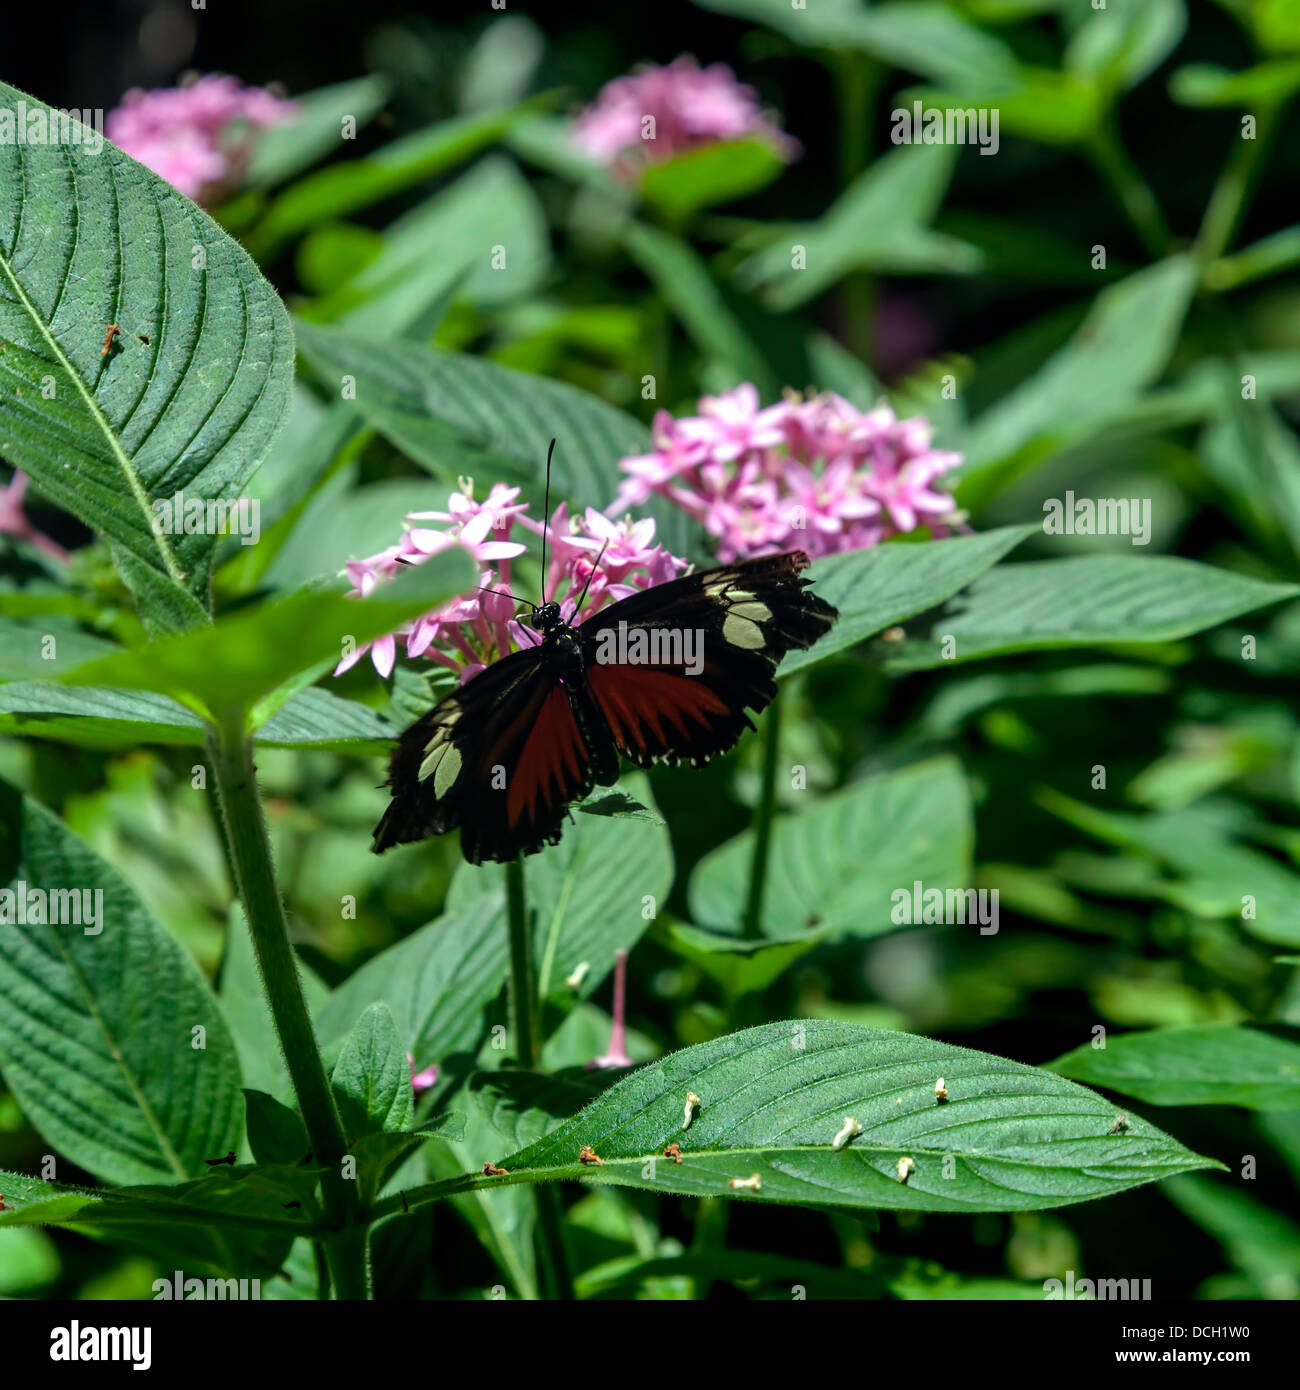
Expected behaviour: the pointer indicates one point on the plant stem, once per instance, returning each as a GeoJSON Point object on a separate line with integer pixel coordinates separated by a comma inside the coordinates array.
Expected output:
{"type": "Point", "coordinates": [522, 1031]}
{"type": "Point", "coordinates": [763, 820]}
{"type": "Point", "coordinates": [1130, 188]}
{"type": "Point", "coordinates": [558, 1280]}
{"type": "Point", "coordinates": [250, 855]}
{"type": "Point", "coordinates": [1232, 190]}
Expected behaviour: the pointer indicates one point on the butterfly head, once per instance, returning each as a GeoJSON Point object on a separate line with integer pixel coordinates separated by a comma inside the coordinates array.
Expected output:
{"type": "Point", "coordinates": [547, 617]}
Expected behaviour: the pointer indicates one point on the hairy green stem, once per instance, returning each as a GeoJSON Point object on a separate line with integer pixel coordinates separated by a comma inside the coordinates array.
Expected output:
{"type": "Point", "coordinates": [250, 856]}
{"type": "Point", "coordinates": [763, 820]}
{"type": "Point", "coordinates": [557, 1277]}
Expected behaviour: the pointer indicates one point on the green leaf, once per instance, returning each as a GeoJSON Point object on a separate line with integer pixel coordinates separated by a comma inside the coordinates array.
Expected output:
{"type": "Point", "coordinates": [831, 869]}
{"type": "Point", "coordinates": [248, 1014]}
{"type": "Point", "coordinates": [739, 966]}
{"type": "Point", "coordinates": [1263, 1243]}
{"type": "Point", "coordinates": [1055, 108]}
{"type": "Point", "coordinates": [593, 894]}
{"type": "Point", "coordinates": [1121, 348]}
{"type": "Point", "coordinates": [372, 1077]}
{"type": "Point", "coordinates": [772, 1099]}
{"type": "Point", "coordinates": [456, 414]}
{"type": "Point", "coordinates": [923, 37]}
{"type": "Point", "coordinates": [1264, 85]}
{"type": "Point", "coordinates": [99, 717]}
{"type": "Point", "coordinates": [276, 1133]}
{"type": "Point", "coordinates": [708, 175]}
{"type": "Point", "coordinates": [879, 223]}
{"type": "Point", "coordinates": [1126, 42]}
{"type": "Point", "coordinates": [241, 1196]}
{"type": "Point", "coordinates": [684, 281]}
{"type": "Point", "coordinates": [97, 1027]}
{"type": "Point", "coordinates": [357, 183]}
{"type": "Point", "coordinates": [1087, 601]}
{"type": "Point", "coordinates": [878, 588]}
{"type": "Point", "coordinates": [436, 982]}
{"type": "Point", "coordinates": [1217, 1064]}
{"type": "Point", "coordinates": [524, 1106]}
{"type": "Point", "coordinates": [1216, 877]}
{"type": "Point", "coordinates": [617, 804]}
{"type": "Point", "coordinates": [490, 206]}
{"type": "Point", "coordinates": [193, 390]}
{"type": "Point", "coordinates": [235, 661]}
{"type": "Point", "coordinates": [316, 130]}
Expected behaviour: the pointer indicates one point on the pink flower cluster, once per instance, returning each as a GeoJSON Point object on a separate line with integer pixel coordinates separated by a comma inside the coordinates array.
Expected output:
{"type": "Point", "coordinates": [657, 112]}
{"type": "Point", "coordinates": [471, 632]}
{"type": "Point", "coordinates": [197, 136]}
{"type": "Point", "coordinates": [810, 473]}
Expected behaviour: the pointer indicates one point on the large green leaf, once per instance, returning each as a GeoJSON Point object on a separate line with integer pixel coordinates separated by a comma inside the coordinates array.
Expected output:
{"type": "Point", "coordinates": [490, 207]}
{"type": "Point", "coordinates": [877, 588]}
{"type": "Point", "coordinates": [1212, 875]}
{"type": "Point", "coordinates": [112, 1042]}
{"type": "Point", "coordinates": [1121, 348]}
{"type": "Point", "coordinates": [316, 130]}
{"type": "Point", "coordinates": [436, 982]}
{"type": "Point", "coordinates": [1087, 601]}
{"type": "Point", "coordinates": [879, 223]}
{"type": "Point", "coordinates": [357, 183]}
{"type": "Point", "coordinates": [1217, 1064]}
{"type": "Point", "coordinates": [98, 717]}
{"type": "Point", "coordinates": [190, 395]}
{"type": "Point", "coordinates": [233, 662]}
{"type": "Point", "coordinates": [772, 1099]}
{"type": "Point", "coordinates": [835, 866]}
{"type": "Point", "coordinates": [457, 414]}
{"type": "Point", "coordinates": [593, 894]}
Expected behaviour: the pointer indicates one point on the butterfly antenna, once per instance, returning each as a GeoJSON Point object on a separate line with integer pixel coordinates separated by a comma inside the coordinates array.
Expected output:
{"type": "Point", "coordinates": [546, 515]}
{"type": "Point", "coordinates": [501, 594]}
{"type": "Point", "coordinates": [590, 577]}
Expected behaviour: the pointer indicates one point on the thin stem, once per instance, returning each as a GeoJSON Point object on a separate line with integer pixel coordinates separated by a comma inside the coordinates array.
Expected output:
{"type": "Point", "coordinates": [558, 1279]}
{"type": "Point", "coordinates": [1233, 190]}
{"type": "Point", "coordinates": [857, 79]}
{"type": "Point", "coordinates": [522, 1031]}
{"type": "Point", "coordinates": [250, 854]}
{"type": "Point", "coordinates": [1130, 188]}
{"type": "Point", "coordinates": [763, 820]}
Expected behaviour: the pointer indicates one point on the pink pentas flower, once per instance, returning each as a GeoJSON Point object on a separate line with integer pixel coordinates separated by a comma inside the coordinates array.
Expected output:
{"type": "Point", "coordinates": [423, 1079]}
{"type": "Point", "coordinates": [812, 473]}
{"type": "Point", "coordinates": [615, 1055]}
{"type": "Point", "coordinates": [479, 627]}
{"type": "Point", "coordinates": [657, 112]}
{"type": "Point", "coordinates": [197, 136]}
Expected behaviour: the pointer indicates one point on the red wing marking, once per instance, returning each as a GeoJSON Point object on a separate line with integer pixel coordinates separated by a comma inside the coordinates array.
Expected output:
{"type": "Point", "coordinates": [552, 759]}
{"type": "Point", "coordinates": [636, 698]}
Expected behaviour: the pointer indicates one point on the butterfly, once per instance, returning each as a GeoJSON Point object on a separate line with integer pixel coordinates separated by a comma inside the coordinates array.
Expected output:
{"type": "Point", "coordinates": [663, 676]}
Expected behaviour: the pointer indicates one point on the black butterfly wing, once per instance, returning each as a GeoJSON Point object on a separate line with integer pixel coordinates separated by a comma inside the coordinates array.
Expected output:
{"type": "Point", "coordinates": [501, 759]}
{"type": "Point", "coordinates": [742, 619]}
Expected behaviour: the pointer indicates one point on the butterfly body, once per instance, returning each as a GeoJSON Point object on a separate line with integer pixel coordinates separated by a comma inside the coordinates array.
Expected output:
{"type": "Point", "coordinates": [665, 676]}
